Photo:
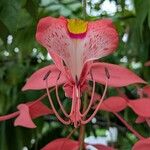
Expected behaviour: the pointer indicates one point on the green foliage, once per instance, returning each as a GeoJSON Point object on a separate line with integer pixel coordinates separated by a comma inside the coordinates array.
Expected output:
{"type": "Point", "coordinates": [22, 56]}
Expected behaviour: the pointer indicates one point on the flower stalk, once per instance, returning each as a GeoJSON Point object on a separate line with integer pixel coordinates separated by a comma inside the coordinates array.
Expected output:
{"type": "Point", "coordinates": [82, 127]}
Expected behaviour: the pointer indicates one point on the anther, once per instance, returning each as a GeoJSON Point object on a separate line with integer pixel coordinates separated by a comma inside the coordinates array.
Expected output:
{"type": "Point", "coordinates": [107, 73]}
{"type": "Point", "coordinates": [76, 80]}
{"type": "Point", "coordinates": [91, 74]}
{"type": "Point", "coordinates": [58, 76]}
{"type": "Point", "coordinates": [47, 75]}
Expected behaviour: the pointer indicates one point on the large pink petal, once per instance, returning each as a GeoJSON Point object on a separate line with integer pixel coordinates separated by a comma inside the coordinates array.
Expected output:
{"type": "Point", "coordinates": [24, 118]}
{"type": "Point", "coordinates": [142, 145]}
{"type": "Point", "coordinates": [140, 106]}
{"type": "Point", "coordinates": [119, 76]}
{"type": "Point", "coordinates": [100, 41]}
{"type": "Point", "coordinates": [58, 61]}
{"type": "Point", "coordinates": [146, 90]}
{"type": "Point", "coordinates": [113, 104]}
{"type": "Point", "coordinates": [36, 80]}
{"type": "Point", "coordinates": [53, 35]}
{"type": "Point", "coordinates": [62, 144]}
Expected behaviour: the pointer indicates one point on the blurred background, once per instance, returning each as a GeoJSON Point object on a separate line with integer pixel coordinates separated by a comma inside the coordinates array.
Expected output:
{"type": "Point", "coordinates": [21, 55]}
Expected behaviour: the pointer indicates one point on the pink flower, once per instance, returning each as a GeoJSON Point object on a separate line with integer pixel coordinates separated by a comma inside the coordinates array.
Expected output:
{"type": "Point", "coordinates": [74, 45]}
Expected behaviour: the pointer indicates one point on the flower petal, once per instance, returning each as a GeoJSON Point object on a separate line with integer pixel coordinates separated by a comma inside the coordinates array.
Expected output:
{"type": "Point", "coordinates": [53, 35]}
{"type": "Point", "coordinates": [113, 104]}
{"type": "Point", "coordinates": [62, 144]}
{"type": "Point", "coordinates": [36, 80]}
{"type": "Point", "coordinates": [119, 76]}
{"type": "Point", "coordinates": [142, 145]}
{"type": "Point", "coordinates": [24, 118]}
{"type": "Point", "coordinates": [100, 41]}
{"type": "Point", "coordinates": [140, 106]}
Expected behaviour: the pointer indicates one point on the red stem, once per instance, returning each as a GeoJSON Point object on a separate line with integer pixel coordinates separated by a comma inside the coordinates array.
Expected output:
{"type": "Point", "coordinates": [129, 127]}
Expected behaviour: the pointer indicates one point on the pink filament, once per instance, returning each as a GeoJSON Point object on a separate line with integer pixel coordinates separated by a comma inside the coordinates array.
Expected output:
{"type": "Point", "coordinates": [98, 106]}
{"type": "Point", "coordinates": [52, 105]}
{"type": "Point", "coordinates": [75, 109]}
{"type": "Point", "coordinates": [59, 102]}
{"type": "Point", "coordinates": [75, 115]}
{"type": "Point", "coordinates": [91, 100]}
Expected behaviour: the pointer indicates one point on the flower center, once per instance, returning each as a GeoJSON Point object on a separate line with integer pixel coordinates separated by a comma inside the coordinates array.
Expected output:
{"type": "Point", "coordinates": [77, 28]}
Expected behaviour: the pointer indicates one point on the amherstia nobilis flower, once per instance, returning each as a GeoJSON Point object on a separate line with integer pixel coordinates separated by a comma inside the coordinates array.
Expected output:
{"type": "Point", "coordinates": [74, 45]}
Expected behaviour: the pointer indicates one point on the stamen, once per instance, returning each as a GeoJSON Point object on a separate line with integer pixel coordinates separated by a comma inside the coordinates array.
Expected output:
{"type": "Point", "coordinates": [98, 106]}
{"type": "Point", "coordinates": [91, 100]}
{"type": "Point", "coordinates": [59, 102]}
{"type": "Point", "coordinates": [75, 108]}
{"type": "Point", "coordinates": [52, 105]}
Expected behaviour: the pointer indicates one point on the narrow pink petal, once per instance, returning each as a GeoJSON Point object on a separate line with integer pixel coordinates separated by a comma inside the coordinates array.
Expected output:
{"type": "Point", "coordinates": [24, 118]}
{"type": "Point", "coordinates": [62, 144]}
{"type": "Point", "coordinates": [100, 41]}
{"type": "Point", "coordinates": [113, 104]}
{"type": "Point", "coordinates": [10, 116]}
{"type": "Point", "coordinates": [140, 119]}
{"type": "Point", "coordinates": [140, 106]}
{"type": "Point", "coordinates": [146, 90]}
{"type": "Point", "coordinates": [36, 80]}
{"type": "Point", "coordinates": [142, 145]}
{"type": "Point", "coordinates": [119, 76]}
{"type": "Point", "coordinates": [38, 109]}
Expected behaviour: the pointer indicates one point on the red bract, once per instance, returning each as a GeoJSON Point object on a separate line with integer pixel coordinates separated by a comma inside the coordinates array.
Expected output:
{"type": "Point", "coordinates": [76, 44]}
{"type": "Point", "coordinates": [142, 145]}
{"type": "Point", "coordinates": [140, 106]}
{"type": "Point", "coordinates": [27, 112]}
{"type": "Point", "coordinates": [68, 144]}
{"type": "Point", "coordinates": [113, 104]}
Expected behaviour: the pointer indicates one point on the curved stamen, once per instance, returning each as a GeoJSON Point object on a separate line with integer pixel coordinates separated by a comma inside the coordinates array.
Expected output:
{"type": "Point", "coordinates": [91, 101]}
{"type": "Point", "coordinates": [52, 105]}
{"type": "Point", "coordinates": [98, 106]}
{"type": "Point", "coordinates": [59, 102]}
